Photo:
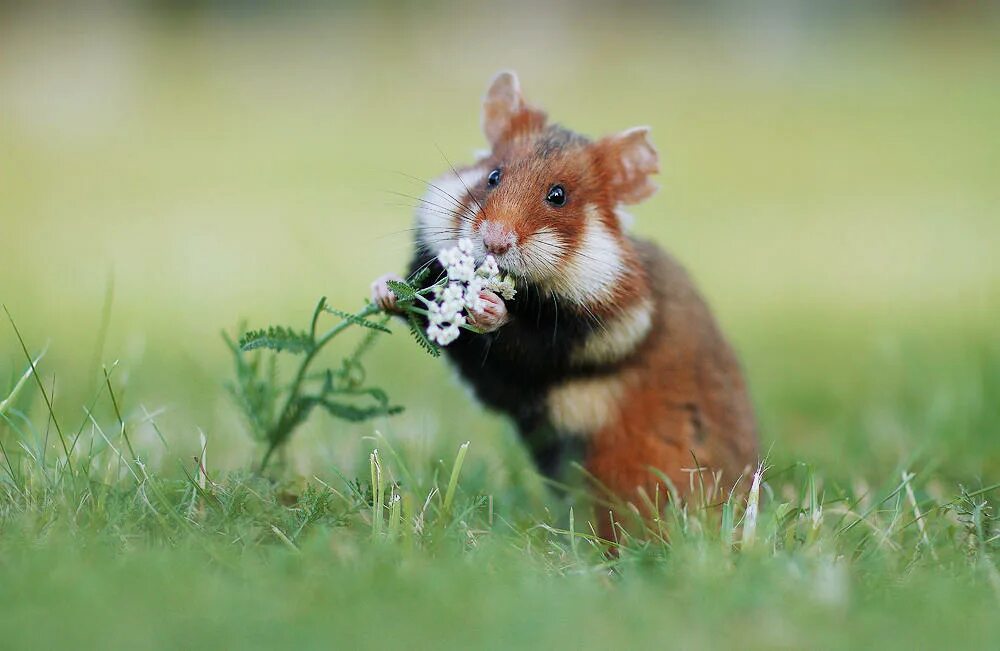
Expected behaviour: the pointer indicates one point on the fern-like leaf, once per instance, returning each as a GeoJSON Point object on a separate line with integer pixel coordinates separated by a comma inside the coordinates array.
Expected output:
{"type": "Point", "coordinates": [357, 320]}
{"type": "Point", "coordinates": [378, 394]}
{"type": "Point", "coordinates": [255, 388]}
{"type": "Point", "coordinates": [418, 278]}
{"type": "Point", "coordinates": [355, 414]}
{"type": "Point", "coordinates": [404, 292]}
{"type": "Point", "coordinates": [365, 344]}
{"type": "Point", "coordinates": [417, 330]}
{"type": "Point", "coordinates": [277, 338]}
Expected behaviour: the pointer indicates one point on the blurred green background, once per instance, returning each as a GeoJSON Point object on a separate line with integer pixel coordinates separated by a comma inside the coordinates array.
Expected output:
{"type": "Point", "coordinates": [829, 176]}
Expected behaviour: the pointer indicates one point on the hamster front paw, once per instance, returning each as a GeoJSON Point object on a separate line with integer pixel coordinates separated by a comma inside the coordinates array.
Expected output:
{"type": "Point", "coordinates": [494, 314]}
{"type": "Point", "coordinates": [382, 295]}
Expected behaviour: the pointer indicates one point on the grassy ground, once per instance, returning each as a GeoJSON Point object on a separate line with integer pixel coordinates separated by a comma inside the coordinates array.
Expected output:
{"type": "Point", "coordinates": [441, 555]}
{"type": "Point", "coordinates": [831, 189]}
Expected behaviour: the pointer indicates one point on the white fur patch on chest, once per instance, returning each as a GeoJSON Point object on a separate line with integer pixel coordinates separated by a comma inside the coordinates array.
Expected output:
{"type": "Point", "coordinates": [442, 217]}
{"type": "Point", "coordinates": [582, 407]}
{"type": "Point", "coordinates": [619, 337]}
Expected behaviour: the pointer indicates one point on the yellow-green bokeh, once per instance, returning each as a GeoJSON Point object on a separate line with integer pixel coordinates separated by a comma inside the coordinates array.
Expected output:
{"type": "Point", "coordinates": [832, 185]}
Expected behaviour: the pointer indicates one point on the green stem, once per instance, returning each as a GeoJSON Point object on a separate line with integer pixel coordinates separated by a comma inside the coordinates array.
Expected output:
{"type": "Point", "coordinates": [285, 422]}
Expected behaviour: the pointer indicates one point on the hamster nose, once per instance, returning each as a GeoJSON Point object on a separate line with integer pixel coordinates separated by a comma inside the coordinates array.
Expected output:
{"type": "Point", "coordinates": [497, 240]}
{"type": "Point", "coordinates": [496, 247]}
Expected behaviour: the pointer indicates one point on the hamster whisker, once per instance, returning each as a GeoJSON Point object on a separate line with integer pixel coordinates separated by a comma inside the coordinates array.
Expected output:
{"type": "Point", "coordinates": [457, 208]}
{"type": "Point", "coordinates": [459, 177]}
{"type": "Point", "coordinates": [440, 240]}
{"type": "Point", "coordinates": [460, 205]}
{"type": "Point", "coordinates": [426, 265]}
{"type": "Point", "coordinates": [562, 248]}
{"type": "Point", "coordinates": [539, 263]}
{"type": "Point", "coordinates": [434, 211]}
{"type": "Point", "coordinates": [404, 231]}
{"type": "Point", "coordinates": [464, 215]}
{"type": "Point", "coordinates": [594, 319]}
{"type": "Point", "coordinates": [531, 258]}
{"type": "Point", "coordinates": [421, 229]}
{"type": "Point", "coordinates": [444, 193]}
{"type": "Point", "coordinates": [438, 210]}
{"type": "Point", "coordinates": [555, 325]}
{"type": "Point", "coordinates": [624, 275]}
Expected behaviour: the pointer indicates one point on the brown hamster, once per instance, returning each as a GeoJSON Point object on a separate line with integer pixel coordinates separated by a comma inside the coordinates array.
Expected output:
{"type": "Point", "coordinates": [607, 350]}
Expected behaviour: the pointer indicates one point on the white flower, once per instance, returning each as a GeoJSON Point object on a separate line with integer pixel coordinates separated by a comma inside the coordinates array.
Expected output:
{"type": "Point", "coordinates": [476, 284]}
{"type": "Point", "coordinates": [504, 287]}
{"type": "Point", "coordinates": [449, 257]}
{"type": "Point", "coordinates": [464, 271]}
{"type": "Point", "coordinates": [453, 292]}
{"type": "Point", "coordinates": [434, 314]}
{"type": "Point", "coordinates": [458, 261]}
{"type": "Point", "coordinates": [473, 300]}
{"type": "Point", "coordinates": [489, 268]}
{"type": "Point", "coordinates": [443, 336]}
{"type": "Point", "coordinates": [446, 314]}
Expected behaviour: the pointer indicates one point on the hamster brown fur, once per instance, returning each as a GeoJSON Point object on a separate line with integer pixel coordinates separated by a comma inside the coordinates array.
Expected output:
{"type": "Point", "coordinates": [608, 348]}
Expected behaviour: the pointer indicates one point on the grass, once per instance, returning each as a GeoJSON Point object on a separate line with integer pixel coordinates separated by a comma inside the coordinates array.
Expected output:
{"type": "Point", "coordinates": [441, 552]}
{"type": "Point", "coordinates": [833, 194]}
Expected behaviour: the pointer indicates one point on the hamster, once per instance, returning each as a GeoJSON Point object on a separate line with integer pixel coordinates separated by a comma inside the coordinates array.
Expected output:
{"type": "Point", "coordinates": [607, 352]}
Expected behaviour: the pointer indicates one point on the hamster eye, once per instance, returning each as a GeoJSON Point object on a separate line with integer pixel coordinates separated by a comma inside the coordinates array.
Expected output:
{"type": "Point", "coordinates": [494, 178]}
{"type": "Point", "coordinates": [556, 195]}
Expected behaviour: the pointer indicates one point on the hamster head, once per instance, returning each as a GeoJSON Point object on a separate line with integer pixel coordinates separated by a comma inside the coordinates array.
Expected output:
{"type": "Point", "coordinates": [546, 202]}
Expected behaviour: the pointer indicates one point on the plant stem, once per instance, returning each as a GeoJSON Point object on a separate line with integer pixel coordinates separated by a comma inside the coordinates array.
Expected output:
{"type": "Point", "coordinates": [286, 420]}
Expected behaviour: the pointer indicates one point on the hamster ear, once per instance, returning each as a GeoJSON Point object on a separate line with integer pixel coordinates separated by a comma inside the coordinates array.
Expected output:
{"type": "Point", "coordinates": [505, 113]}
{"type": "Point", "coordinates": [630, 159]}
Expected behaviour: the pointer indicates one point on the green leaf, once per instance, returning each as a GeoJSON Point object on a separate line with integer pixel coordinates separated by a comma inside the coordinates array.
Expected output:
{"type": "Point", "coordinates": [378, 394]}
{"type": "Point", "coordinates": [357, 320]}
{"type": "Point", "coordinates": [255, 388]}
{"type": "Point", "coordinates": [366, 343]}
{"type": "Point", "coordinates": [417, 330]}
{"type": "Point", "coordinates": [404, 292]}
{"type": "Point", "coordinates": [355, 414]}
{"type": "Point", "coordinates": [418, 278]}
{"type": "Point", "coordinates": [277, 338]}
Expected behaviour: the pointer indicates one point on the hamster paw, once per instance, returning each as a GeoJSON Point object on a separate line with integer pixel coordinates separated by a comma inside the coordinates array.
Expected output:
{"type": "Point", "coordinates": [493, 316]}
{"type": "Point", "coordinates": [382, 295]}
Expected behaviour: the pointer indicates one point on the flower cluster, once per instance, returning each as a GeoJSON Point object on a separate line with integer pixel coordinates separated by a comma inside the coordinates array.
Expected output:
{"type": "Point", "coordinates": [460, 292]}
